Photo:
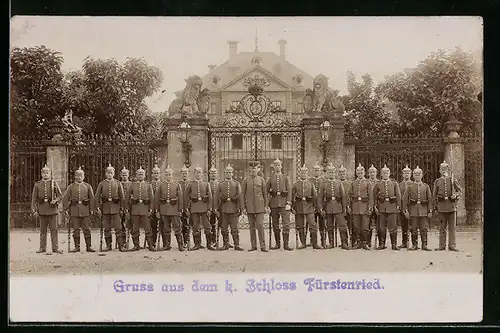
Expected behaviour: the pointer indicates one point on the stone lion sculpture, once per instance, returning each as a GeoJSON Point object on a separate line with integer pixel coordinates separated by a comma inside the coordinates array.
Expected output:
{"type": "Point", "coordinates": [323, 98]}
{"type": "Point", "coordinates": [191, 94]}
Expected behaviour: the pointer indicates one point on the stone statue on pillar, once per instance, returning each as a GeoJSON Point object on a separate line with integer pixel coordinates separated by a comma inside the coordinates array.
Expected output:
{"type": "Point", "coordinates": [192, 102]}
{"type": "Point", "coordinates": [321, 100]}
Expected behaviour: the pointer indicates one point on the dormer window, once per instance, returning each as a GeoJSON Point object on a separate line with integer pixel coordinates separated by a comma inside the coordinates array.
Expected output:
{"type": "Point", "coordinates": [298, 79]}
{"type": "Point", "coordinates": [215, 79]}
{"type": "Point", "coordinates": [256, 60]}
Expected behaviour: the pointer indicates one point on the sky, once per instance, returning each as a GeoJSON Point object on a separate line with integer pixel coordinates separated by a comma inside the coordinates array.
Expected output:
{"type": "Point", "coordinates": [182, 46]}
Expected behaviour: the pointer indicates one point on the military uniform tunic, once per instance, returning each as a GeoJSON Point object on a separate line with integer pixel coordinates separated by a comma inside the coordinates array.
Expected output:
{"type": "Point", "coordinates": [169, 200]}
{"type": "Point", "coordinates": [333, 201]}
{"type": "Point", "coordinates": [229, 204]}
{"type": "Point", "coordinates": [317, 181]}
{"type": "Point", "coordinates": [79, 198]}
{"type": "Point", "coordinates": [156, 224]}
{"type": "Point", "coordinates": [43, 193]}
{"type": "Point", "coordinates": [443, 189]}
{"type": "Point", "coordinates": [417, 200]}
{"type": "Point", "coordinates": [140, 196]}
{"type": "Point", "coordinates": [305, 204]}
{"type": "Point", "coordinates": [254, 196]}
{"type": "Point", "coordinates": [279, 188]}
{"type": "Point", "coordinates": [388, 199]}
{"type": "Point", "coordinates": [361, 198]}
{"type": "Point", "coordinates": [405, 223]}
{"type": "Point", "coordinates": [199, 203]}
{"type": "Point", "coordinates": [185, 221]}
{"type": "Point", "coordinates": [213, 218]}
{"type": "Point", "coordinates": [111, 200]}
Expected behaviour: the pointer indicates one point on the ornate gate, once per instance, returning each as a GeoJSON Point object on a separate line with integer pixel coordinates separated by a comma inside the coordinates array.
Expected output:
{"type": "Point", "coordinates": [256, 130]}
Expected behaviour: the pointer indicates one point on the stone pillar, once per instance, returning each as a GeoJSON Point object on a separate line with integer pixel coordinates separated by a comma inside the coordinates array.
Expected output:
{"type": "Point", "coordinates": [313, 141]}
{"type": "Point", "coordinates": [197, 136]}
{"type": "Point", "coordinates": [350, 158]}
{"type": "Point", "coordinates": [57, 161]}
{"type": "Point", "coordinates": [455, 156]}
{"type": "Point", "coordinates": [161, 147]}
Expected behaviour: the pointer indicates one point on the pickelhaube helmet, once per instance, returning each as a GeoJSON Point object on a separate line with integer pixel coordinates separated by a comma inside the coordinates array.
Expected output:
{"type": "Point", "coordinates": [169, 169]}
{"type": "Point", "coordinates": [406, 169]}
{"type": "Point", "coordinates": [342, 168]}
{"type": "Point", "coordinates": [198, 168]}
{"type": "Point", "coordinates": [304, 168]}
{"type": "Point", "coordinates": [360, 167]}
{"type": "Point", "coordinates": [317, 165]}
{"type": "Point", "coordinates": [45, 168]}
{"type": "Point", "coordinates": [79, 170]}
{"type": "Point", "coordinates": [385, 168]}
{"type": "Point", "coordinates": [124, 170]}
{"type": "Point", "coordinates": [277, 161]}
{"type": "Point", "coordinates": [330, 167]}
{"type": "Point", "coordinates": [141, 170]}
{"type": "Point", "coordinates": [213, 169]}
{"type": "Point", "coordinates": [372, 168]}
{"type": "Point", "coordinates": [184, 168]}
{"type": "Point", "coordinates": [156, 168]}
{"type": "Point", "coordinates": [443, 165]}
{"type": "Point", "coordinates": [417, 170]}
{"type": "Point", "coordinates": [228, 168]}
{"type": "Point", "coordinates": [110, 168]}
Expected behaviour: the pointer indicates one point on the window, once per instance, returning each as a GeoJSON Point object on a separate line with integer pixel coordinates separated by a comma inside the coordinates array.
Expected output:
{"type": "Point", "coordinates": [277, 105]}
{"type": "Point", "coordinates": [237, 141]}
{"type": "Point", "coordinates": [276, 141]}
{"type": "Point", "coordinates": [256, 61]}
{"type": "Point", "coordinates": [215, 79]}
{"type": "Point", "coordinates": [213, 108]}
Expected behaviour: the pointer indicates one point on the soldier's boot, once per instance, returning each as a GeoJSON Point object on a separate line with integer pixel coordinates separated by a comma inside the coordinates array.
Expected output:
{"type": "Point", "coordinates": [236, 240]}
{"type": "Point", "coordinates": [57, 251]}
{"type": "Point", "coordinates": [343, 239]}
{"type": "Point", "coordinates": [76, 239]}
{"type": "Point", "coordinates": [286, 239]}
{"type": "Point", "coordinates": [414, 241]}
{"type": "Point", "coordinates": [314, 241]}
{"type": "Point", "coordinates": [277, 238]}
{"type": "Point", "coordinates": [423, 236]}
{"type": "Point", "coordinates": [210, 247]}
{"type": "Point", "coordinates": [88, 243]}
{"type": "Point", "coordinates": [302, 237]}
{"type": "Point", "coordinates": [180, 242]}
{"type": "Point", "coordinates": [323, 239]}
{"type": "Point", "coordinates": [365, 241]}
{"type": "Point", "coordinates": [197, 243]}
{"type": "Point", "coordinates": [394, 241]}
{"type": "Point", "coordinates": [382, 236]}
{"type": "Point", "coordinates": [200, 243]}
{"type": "Point", "coordinates": [330, 236]}
{"type": "Point", "coordinates": [122, 246]}
{"type": "Point", "coordinates": [225, 243]}
{"type": "Point", "coordinates": [151, 244]}
{"type": "Point", "coordinates": [109, 244]}
{"type": "Point", "coordinates": [185, 238]}
{"type": "Point", "coordinates": [41, 251]}
{"type": "Point", "coordinates": [136, 246]}
{"type": "Point", "coordinates": [166, 244]}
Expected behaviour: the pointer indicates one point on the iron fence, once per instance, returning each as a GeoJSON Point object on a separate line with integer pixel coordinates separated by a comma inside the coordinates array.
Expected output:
{"type": "Point", "coordinates": [473, 150]}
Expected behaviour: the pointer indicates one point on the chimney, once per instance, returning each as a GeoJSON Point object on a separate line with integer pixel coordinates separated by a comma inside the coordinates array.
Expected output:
{"type": "Point", "coordinates": [282, 44]}
{"type": "Point", "coordinates": [211, 68]}
{"type": "Point", "coordinates": [233, 49]}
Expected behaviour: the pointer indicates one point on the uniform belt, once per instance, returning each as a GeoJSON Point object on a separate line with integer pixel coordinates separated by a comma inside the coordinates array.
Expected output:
{"type": "Point", "coordinates": [303, 199]}
{"type": "Point", "coordinates": [172, 201]}
{"type": "Point", "coordinates": [363, 199]}
{"type": "Point", "coordinates": [140, 201]}
{"type": "Point", "coordinates": [333, 198]}
{"type": "Point", "coordinates": [418, 202]}
{"type": "Point", "coordinates": [76, 202]}
{"type": "Point", "coordinates": [114, 200]}
{"type": "Point", "coordinates": [444, 199]}
{"type": "Point", "coordinates": [391, 200]}
{"type": "Point", "coordinates": [283, 194]}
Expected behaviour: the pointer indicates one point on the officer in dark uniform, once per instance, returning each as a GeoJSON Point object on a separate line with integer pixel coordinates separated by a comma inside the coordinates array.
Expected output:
{"type": "Point", "coordinates": [229, 205]}
{"type": "Point", "coordinates": [304, 206]}
{"type": "Point", "coordinates": [185, 219]}
{"type": "Point", "coordinates": [79, 201]}
{"type": "Point", "coordinates": [110, 202]}
{"type": "Point", "coordinates": [44, 201]}
{"type": "Point", "coordinates": [402, 218]}
{"type": "Point", "coordinates": [446, 193]}
{"type": "Point", "coordinates": [125, 217]}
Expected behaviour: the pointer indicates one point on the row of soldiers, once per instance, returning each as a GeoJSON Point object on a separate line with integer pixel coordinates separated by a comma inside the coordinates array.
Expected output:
{"type": "Point", "coordinates": [323, 204]}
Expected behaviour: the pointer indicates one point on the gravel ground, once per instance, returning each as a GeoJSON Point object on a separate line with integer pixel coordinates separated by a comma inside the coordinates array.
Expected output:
{"type": "Point", "coordinates": [24, 260]}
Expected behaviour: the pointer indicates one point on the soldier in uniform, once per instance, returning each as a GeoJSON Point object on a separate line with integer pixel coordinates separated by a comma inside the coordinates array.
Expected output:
{"type": "Point", "coordinates": [79, 200]}
{"type": "Point", "coordinates": [317, 179]}
{"type": "Point", "coordinates": [280, 202]}
{"type": "Point", "coordinates": [342, 172]}
{"type": "Point", "coordinates": [44, 201]}
{"type": "Point", "coordinates": [417, 204]}
{"type": "Point", "coordinates": [255, 206]}
{"type": "Point", "coordinates": [374, 221]}
{"type": "Point", "coordinates": [215, 222]}
{"type": "Point", "coordinates": [361, 200]}
{"type": "Point", "coordinates": [402, 218]}
{"type": "Point", "coordinates": [126, 221]}
{"type": "Point", "coordinates": [110, 201]}
{"type": "Point", "coordinates": [228, 206]}
{"type": "Point", "coordinates": [304, 206]}
{"type": "Point", "coordinates": [199, 207]}
{"type": "Point", "coordinates": [140, 196]}
{"type": "Point", "coordinates": [388, 202]}
{"type": "Point", "coordinates": [333, 203]}
{"type": "Point", "coordinates": [168, 204]}
{"type": "Point", "coordinates": [185, 219]}
{"type": "Point", "coordinates": [156, 224]}
{"type": "Point", "coordinates": [445, 194]}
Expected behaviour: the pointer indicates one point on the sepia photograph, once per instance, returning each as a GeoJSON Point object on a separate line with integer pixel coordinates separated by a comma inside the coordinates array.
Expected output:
{"type": "Point", "coordinates": [316, 154]}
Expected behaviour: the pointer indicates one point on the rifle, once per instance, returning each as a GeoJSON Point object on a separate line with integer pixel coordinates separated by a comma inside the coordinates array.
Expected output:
{"type": "Point", "coordinates": [66, 219]}
{"type": "Point", "coordinates": [296, 235]}
{"type": "Point", "coordinates": [157, 246]}
{"type": "Point", "coordinates": [270, 229]}
{"type": "Point", "coordinates": [101, 231]}
{"type": "Point", "coordinates": [334, 240]}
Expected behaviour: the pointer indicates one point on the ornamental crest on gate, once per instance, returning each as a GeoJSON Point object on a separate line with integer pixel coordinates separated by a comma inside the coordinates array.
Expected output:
{"type": "Point", "coordinates": [255, 109]}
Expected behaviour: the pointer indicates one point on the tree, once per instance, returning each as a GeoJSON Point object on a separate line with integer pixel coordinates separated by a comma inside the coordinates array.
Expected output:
{"type": "Point", "coordinates": [36, 89]}
{"type": "Point", "coordinates": [365, 115]}
{"type": "Point", "coordinates": [440, 87]}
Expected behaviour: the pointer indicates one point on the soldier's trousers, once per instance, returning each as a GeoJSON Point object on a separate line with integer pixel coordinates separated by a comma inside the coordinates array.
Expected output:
{"type": "Point", "coordinates": [387, 221]}
{"type": "Point", "coordinates": [276, 213]}
{"type": "Point", "coordinates": [171, 222]}
{"type": "Point", "coordinates": [321, 222]}
{"type": "Point", "coordinates": [230, 220]}
{"type": "Point", "coordinates": [81, 222]}
{"type": "Point", "coordinates": [361, 227]}
{"type": "Point", "coordinates": [185, 225]}
{"type": "Point", "coordinates": [256, 222]}
{"type": "Point", "coordinates": [419, 223]}
{"type": "Point", "coordinates": [213, 222]}
{"type": "Point", "coordinates": [447, 222]}
{"type": "Point", "coordinates": [51, 222]}
{"type": "Point", "coordinates": [405, 225]}
{"type": "Point", "coordinates": [112, 221]}
{"type": "Point", "coordinates": [156, 225]}
{"type": "Point", "coordinates": [348, 219]}
{"type": "Point", "coordinates": [140, 221]}
{"type": "Point", "coordinates": [302, 219]}
{"type": "Point", "coordinates": [199, 220]}
{"type": "Point", "coordinates": [338, 219]}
